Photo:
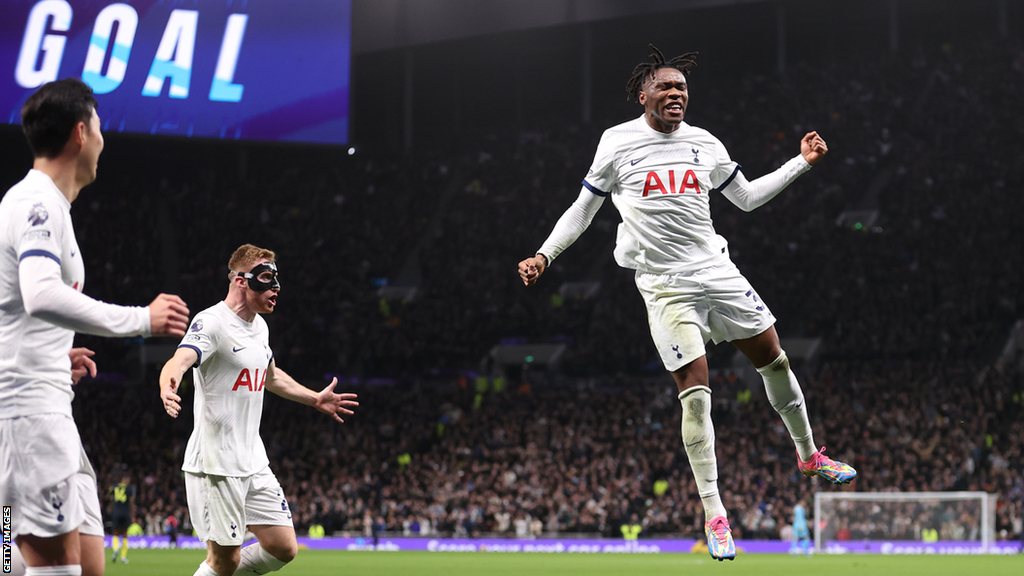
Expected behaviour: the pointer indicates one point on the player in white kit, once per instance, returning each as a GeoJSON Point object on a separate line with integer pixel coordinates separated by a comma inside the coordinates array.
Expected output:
{"type": "Point", "coordinates": [228, 482]}
{"type": "Point", "coordinates": [660, 172]}
{"type": "Point", "coordinates": [45, 475]}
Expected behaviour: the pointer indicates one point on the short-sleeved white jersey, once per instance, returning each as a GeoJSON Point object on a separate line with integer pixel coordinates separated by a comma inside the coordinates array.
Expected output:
{"type": "Point", "coordinates": [35, 370]}
{"type": "Point", "coordinates": [661, 185]}
{"type": "Point", "coordinates": [234, 356]}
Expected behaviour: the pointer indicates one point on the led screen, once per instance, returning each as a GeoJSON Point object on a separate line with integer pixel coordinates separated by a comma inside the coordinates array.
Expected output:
{"type": "Point", "coordinates": [235, 69]}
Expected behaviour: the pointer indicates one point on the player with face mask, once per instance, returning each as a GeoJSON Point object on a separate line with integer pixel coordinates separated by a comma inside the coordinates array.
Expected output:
{"type": "Point", "coordinates": [228, 482]}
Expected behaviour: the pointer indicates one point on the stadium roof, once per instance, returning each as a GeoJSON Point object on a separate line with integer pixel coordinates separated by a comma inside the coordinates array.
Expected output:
{"type": "Point", "coordinates": [389, 24]}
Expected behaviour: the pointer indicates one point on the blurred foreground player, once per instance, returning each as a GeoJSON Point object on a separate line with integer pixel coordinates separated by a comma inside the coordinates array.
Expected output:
{"type": "Point", "coordinates": [228, 482]}
{"type": "Point", "coordinates": [45, 474]}
{"type": "Point", "coordinates": [660, 172]}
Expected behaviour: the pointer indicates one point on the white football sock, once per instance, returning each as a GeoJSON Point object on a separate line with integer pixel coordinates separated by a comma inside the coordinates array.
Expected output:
{"type": "Point", "coordinates": [74, 570]}
{"type": "Point", "coordinates": [699, 442]}
{"type": "Point", "coordinates": [256, 560]}
{"type": "Point", "coordinates": [788, 400]}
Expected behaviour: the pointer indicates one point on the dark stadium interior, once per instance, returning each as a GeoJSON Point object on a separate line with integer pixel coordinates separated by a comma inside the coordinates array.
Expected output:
{"type": "Point", "coordinates": [915, 380]}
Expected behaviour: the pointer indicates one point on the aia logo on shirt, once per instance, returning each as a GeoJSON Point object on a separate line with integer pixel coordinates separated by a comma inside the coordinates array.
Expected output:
{"type": "Point", "coordinates": [656, 183]}
{"type": "Point", "coordinates": [250, 382]}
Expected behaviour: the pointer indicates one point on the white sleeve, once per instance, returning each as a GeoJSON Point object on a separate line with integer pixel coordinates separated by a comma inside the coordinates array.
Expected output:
{"type": "Point", "coordinates": [602, 177]}
{"type": "Point", "coordinates": [572, 223]}
{"type": "Point", "coordinates": [204, 336]}
{"type": "Point", "coordinates": [47, 297]}
{"type": "Point", "coordinates": [749, 195]}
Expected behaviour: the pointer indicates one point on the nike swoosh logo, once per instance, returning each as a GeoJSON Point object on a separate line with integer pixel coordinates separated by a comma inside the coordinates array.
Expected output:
{"type": "Point", "coordinates": [233, 349]}
{"type": "Point", "coordinates": [696, 442]}
{"type": "Point", "coordinates": [637, 161]}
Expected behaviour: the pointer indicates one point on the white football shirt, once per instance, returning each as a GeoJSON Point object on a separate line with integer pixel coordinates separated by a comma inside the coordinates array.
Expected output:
{"type": "Point", "coordinates": [229, 376]}
{"type": "Point", "coordinates": [661, 185]}
{"type": "Point", "coordinates": [35, 371]}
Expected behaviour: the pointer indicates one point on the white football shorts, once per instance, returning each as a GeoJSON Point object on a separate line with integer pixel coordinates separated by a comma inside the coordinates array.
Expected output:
{"type": "Point", "coordinates": [688, 309]}
{"type": "Point", "coordinates": [46, 477]}
{"type": "Point", "coordinates": [221, 507]}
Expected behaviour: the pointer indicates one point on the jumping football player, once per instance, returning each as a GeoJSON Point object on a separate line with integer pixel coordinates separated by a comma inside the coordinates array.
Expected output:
{"type": "Point", "coordinates": [660, 172]}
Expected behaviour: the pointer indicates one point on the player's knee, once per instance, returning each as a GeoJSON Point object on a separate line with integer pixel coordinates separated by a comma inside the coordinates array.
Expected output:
{"type": "Point", "coordinates": [285, 552]}
{"type": "Point", "coordinates": [225, 566]}
{"type": "Point", "coordinates": [290, 554]}
{"type": "Point", "coordinates": [780, 364]}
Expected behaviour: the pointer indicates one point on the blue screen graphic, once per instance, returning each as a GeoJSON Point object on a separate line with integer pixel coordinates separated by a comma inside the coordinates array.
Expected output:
{"type": "Point", "coordinates": [237, 69]}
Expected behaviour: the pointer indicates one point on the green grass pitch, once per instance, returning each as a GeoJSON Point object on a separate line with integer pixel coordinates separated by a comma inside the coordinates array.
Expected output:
{"type": "Point", "coordinates": [340, 563]}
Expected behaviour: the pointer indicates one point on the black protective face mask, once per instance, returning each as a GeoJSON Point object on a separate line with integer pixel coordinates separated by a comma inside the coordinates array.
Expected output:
{"type": "Point", "coordinates": [253, 276]}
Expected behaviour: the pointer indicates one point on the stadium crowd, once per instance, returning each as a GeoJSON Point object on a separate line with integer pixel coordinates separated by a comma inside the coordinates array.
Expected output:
{"type": "Point", "coordinates": [585, 457]}
{"type": "Point", "coordinates": [911, 310]}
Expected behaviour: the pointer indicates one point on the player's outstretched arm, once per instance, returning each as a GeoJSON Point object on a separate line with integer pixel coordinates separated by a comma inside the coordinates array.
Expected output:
{"type": "Point", "coordinates": [81, 364]}
{"type": "Point", "coordinates": [813, 148]}
{"type": "Point", "coordinates": [748, 195]}
{"type": "Point", "coordinates": [46, 297]}
{"type": "Point", "coordinates": [170, 378]}
{"type": "Point", "coordinates": [326, 401]}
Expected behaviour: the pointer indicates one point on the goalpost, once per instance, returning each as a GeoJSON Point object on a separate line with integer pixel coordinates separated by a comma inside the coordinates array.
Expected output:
{"type": "Point", "coordinates": [904, 522]}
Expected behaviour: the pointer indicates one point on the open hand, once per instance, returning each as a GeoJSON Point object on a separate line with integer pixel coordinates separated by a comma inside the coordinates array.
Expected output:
{"type": "Point", "coordinates": [169, 397]}
{"type": "Point", "coordinates": [330, 403]}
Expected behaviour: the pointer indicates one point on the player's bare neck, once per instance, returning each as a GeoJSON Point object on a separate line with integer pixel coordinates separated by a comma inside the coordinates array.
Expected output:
{"type": "Point", "coordinates": [237, 303]}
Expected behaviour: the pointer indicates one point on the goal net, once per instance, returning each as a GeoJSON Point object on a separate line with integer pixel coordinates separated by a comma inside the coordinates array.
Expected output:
{"type": "Point", "coordinates": [904, 522]}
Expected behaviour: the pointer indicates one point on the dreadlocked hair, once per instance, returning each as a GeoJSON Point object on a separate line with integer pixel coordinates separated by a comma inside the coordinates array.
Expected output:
{"type": "Point", "coordinates": [644, 70]}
